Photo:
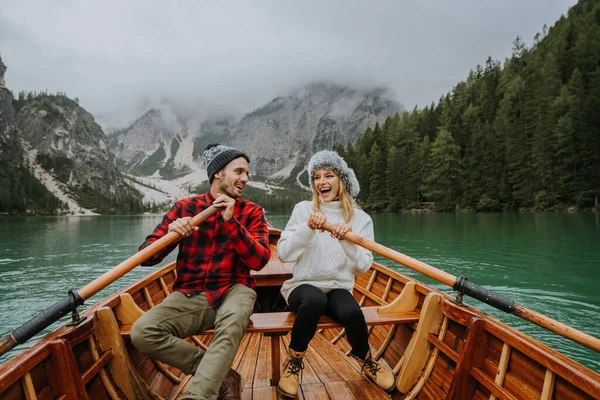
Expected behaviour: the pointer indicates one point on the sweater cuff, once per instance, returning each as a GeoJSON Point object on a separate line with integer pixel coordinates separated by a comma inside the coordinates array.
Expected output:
{"type": "Point", "coordinates": [350, 249]}
{"type": "Point", "coordinates": [305, 234]}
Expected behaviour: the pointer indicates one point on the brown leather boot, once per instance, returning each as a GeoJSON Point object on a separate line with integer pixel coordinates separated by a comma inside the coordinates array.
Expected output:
{"type": "Point", "coordinates": [376, 372]}
{"type": "Point", "coordinates": [231, 388]}
{"type": "Point", "coordinates": [290, 378]}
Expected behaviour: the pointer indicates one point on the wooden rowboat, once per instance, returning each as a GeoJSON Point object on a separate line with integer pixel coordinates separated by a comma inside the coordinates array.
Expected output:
{"type": "Point", "coordinates": [437, 349]}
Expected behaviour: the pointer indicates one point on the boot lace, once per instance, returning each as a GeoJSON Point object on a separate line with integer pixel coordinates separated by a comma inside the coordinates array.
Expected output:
{"type": "Point", "coordinates": [296, 365]}
{"type": "Point", "coordinates": [372, 366]}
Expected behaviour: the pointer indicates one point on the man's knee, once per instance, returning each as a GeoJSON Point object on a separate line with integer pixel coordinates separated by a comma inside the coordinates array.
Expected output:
{"type": "Point", "coordinates": [143, 333]}
{"type": "Point", "coordinates": [240, 300]}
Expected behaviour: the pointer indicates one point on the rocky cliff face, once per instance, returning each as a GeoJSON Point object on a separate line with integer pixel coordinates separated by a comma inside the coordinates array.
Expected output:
{"type": "Point", "coordinates": [167, 145]}
{"type": "Point", "coordinates": [279, 136]}
{"type": "Point", "coordinates": [6, 110]}
{"type": "Point", "coordinates": [20, 191]}
{"type": "Point", "coordinates": [2, 71]}
{"type": "Point", "coordinates": [65, 141]}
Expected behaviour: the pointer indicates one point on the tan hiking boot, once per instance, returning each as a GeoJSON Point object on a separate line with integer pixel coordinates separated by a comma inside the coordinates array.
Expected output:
{"type": "Point", "coordinates": [231, 388]}
{"type": "Point", "coordinates": [376, 372]}
{"type": "Point", "coordinates": [290, 378]}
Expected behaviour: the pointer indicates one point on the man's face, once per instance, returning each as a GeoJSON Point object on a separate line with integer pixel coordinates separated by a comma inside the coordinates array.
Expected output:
{"type": "Point", "coordinates": [233, 178]}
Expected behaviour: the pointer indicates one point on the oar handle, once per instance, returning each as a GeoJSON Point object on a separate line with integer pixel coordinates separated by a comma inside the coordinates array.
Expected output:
{"type": "Point", "coordinates": [110, 276]}
{"type": "Point", "coordinates": [473, 290]}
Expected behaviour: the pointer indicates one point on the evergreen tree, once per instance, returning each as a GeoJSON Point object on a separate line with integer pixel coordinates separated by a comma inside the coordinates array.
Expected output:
{"type": "Point", "coordinates": [377, 179]}
{"type": "Point", "coordinates": [396, 177]}
{"type": "Point", "coordinates": [442, 179]}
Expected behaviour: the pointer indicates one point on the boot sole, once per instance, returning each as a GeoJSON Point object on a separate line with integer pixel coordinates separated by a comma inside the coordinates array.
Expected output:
{"type": "Point", "coordinates": [388, 391]}
{"type": "Point", "coordinates": [285, 394]}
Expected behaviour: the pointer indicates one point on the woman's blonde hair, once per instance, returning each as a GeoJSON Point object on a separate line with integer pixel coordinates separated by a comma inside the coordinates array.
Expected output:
{"type": "Point", "coordinates": [348, 203]}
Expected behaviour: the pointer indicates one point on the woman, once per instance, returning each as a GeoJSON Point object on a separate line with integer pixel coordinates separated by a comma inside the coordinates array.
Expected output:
{"type": "Point", "coordinates": [326, 266]}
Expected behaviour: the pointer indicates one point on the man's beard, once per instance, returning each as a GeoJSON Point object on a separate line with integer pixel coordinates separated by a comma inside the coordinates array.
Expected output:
{"type": "Point", "coordinates": [229, 191]}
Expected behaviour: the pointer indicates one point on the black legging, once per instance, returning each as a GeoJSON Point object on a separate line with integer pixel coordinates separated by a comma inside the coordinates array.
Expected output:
{"type": "Point", "coordinates": [309, 303]}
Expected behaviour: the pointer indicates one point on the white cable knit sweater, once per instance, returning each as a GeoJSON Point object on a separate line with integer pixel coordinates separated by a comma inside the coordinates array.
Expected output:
{"type": "Point", "coordinates": [321, 260]}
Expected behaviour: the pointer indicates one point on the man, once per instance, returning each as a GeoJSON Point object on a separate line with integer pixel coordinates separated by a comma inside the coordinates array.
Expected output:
{"type": "Point", "coordinates": [214, 288]}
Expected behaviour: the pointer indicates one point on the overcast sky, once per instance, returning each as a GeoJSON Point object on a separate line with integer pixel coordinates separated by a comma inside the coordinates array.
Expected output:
{"type": "Point", "coordinates": [119, 56]}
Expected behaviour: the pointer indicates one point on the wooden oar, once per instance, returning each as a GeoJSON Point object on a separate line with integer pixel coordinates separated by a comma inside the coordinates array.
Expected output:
{"type": "Point", "coordinates": [462, 285]}
{"type": "Point", "coordinates": [76, 298]}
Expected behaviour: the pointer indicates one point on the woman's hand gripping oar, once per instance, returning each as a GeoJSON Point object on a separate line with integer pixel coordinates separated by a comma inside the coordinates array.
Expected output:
{"type": "Point", "coordinates": [77, 298]}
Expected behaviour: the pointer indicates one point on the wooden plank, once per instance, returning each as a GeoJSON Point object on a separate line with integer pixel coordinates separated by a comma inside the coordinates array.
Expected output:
{"type": "Point", "coordinates": [324, 372]}
{"type": "Point", "coordinates": [419, 348]}
{"type": "Point", "coordinates": [97, 366]}
{"type": "Point", "coordinates": [180, 388]}
{"type": "Point", "coordinates": [370, 295]}
{"type": "Point", "coordinates": [427, 372]}
{"type": "Point", "coordinates": [443, 347]}
{"type": "Point", "coordinates": [275, 358]}
{"type": "Point", "coordinates": [386, 342]}
{"type": "Point", "coordinates": [339, 390]}
{"type": "Point", "coordinates": [263, 373]}
{"type": "Point", "coordinates": [348, 368]}
{"type": "Point", "coordinates": [490, 385]}
{"type": "Point", "coordinates": [275, 322]}
{"type": "Point", "coordinates": [248, 366]}
{"type": "Point", "coordinates": [164, 369]}
{"type": "Point", "coordinates": [386, 292]}
{"type": "Point", "coordinates": [371, 280]}
{"type": "Point", "coordinates": [365, 391]}
{"type": "Point", "coordinates": [526, 371]}
{"type": "Point", "coordinates": [266, 393]}
{"type": "Point", "coordinates": [28, 388]}
{"type": "Point", "coordinates": [502, 366]}
{"type": "Point", "coordinates": [164, 287]}
{"type": "Point", "coordinates": [47, 394]}
{"type": "Point", "coordinates": [246, 394]}
{"type": "Point", "coordinates": [13, 369]}
{"type": "Point", "coordinates": [313, 391]}
{"type": "Point", "coordinates": [548, 388]}
{"type": "Point", "coordinates": [241, 350]}
{"type": "Point", "coordinates": [405, 302]}
{"type": "Point", "coordinates": [336, 359]}
{"type": "Point", "coordinates": [147, 296]}
{"type": "Point", "coordinates": [63, 373]}
{"type": "Point", "coordinates": [121, 368]}
{"type": "Point", "coordinates": [284, 321]}
{"type": "Point", "coordinates": [127, 311]}
{"type": "Point", "coordinates": [472, 356]}
{"type": "Point", "coordinates": [106, 381]}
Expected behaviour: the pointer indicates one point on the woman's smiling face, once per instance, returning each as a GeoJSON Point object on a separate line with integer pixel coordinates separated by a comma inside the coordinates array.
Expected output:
{"type": "Point", "coordinates": [327, 184]}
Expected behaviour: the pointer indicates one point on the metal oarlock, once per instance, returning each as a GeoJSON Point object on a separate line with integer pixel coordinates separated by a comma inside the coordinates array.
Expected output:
{"type": "Point", "coordinates": [74, 300]}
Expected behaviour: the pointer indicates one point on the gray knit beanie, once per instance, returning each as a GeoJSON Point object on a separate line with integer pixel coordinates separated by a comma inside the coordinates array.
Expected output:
{"type": "Point", "coordinates": [217, 156]}
{"type": "Point", "coordinates": [332, 161]}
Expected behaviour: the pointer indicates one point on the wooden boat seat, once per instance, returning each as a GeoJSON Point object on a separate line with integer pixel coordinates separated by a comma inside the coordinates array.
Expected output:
{"type": "Point", "coordinates": [277, 324]}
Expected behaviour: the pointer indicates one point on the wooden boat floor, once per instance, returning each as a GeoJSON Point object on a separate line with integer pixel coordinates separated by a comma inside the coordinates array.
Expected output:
{"type": "Point", "coordinates": [328, 373]}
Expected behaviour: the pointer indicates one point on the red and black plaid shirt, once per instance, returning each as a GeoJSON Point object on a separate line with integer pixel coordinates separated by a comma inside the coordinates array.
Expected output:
{"type": "Point", "coordinates": [220, 254]}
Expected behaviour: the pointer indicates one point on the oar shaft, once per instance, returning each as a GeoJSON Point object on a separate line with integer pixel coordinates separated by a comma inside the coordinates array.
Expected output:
{"type": "Point", "coordinates": [557, 327]}
{"type": "Point", "coordinates": [416, 265]}
{"type": "Point", "coordinates": [110, 276]}
{"type": "Point", "coordinates": [61, 308]}
{"type": "Point", "coordinates": [450, 280]}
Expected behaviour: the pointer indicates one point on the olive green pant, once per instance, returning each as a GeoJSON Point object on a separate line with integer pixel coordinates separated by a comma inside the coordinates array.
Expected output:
{"type": "Point", "coordinates": [159, 334]}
